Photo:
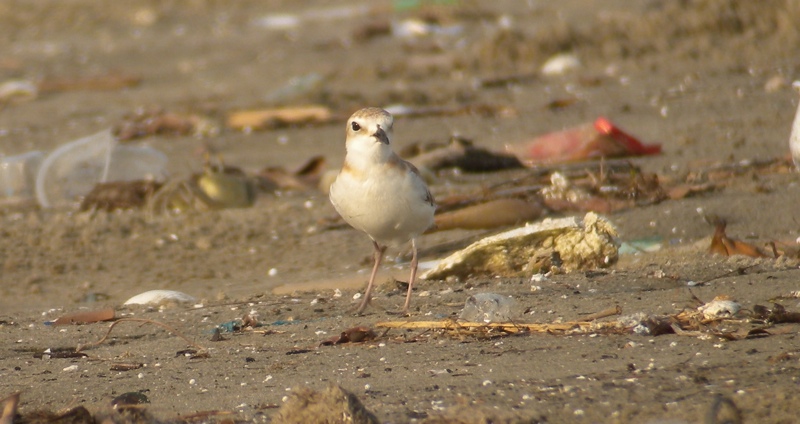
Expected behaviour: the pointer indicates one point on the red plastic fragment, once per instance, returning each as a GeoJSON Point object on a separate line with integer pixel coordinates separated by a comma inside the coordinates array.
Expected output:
{"type": "Point", "coordinates": [584, 142]}
{"type": "Point", "coordinates": [634, 146]}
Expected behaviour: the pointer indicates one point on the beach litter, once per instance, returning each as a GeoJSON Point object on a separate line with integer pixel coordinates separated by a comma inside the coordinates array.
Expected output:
{"type": "Point", "coordinates": [158, 297]}
{"type": "Point", "coordinates": [564, 244]}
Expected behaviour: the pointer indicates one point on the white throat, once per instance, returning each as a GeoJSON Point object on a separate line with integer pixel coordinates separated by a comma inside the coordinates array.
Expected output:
{"type": "Point", "coordinates": [364, 151]}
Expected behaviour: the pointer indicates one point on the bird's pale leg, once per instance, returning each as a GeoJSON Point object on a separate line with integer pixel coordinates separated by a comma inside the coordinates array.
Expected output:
{"type": "Point", "coordinates": [413, 274]}
{"type": "Point", "coordinates": [378, 256]}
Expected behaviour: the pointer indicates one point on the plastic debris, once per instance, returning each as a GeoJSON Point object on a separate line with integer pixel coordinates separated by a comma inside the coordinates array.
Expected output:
{"type": "Point", "coordinates": [119, 195]}
{"type": "Point", "coordinates": [237, 325]}
{"type": "Point", "coordinates": [720, 307]}
{"type": "Point", "coordinates": [155, 297]}
{"type": "Point", "coordinates": [18, 177]}
{"type": "Point", "coordinates": [568, 244]}
{"type": "Point", "coordinates": [487, 307]}
{"type": "Point", "coordinates": [73, 169]}
{"type": "Point", "coordinates": [643, 324]}
{"type": "Point", "coordinates": [600, 139]}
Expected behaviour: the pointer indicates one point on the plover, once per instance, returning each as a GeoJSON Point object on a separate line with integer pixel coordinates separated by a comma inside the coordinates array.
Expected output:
{"type": "Point", "coordinates": [379, 193]}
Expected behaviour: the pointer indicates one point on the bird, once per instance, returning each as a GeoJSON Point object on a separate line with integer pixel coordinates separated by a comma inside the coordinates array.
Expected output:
{"type": "Point", "coordinates": [380, 194]}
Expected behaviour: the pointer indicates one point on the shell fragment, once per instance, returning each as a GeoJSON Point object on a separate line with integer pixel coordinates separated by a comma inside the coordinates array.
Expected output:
{"type": "Point", "coordinates": [156, 297]}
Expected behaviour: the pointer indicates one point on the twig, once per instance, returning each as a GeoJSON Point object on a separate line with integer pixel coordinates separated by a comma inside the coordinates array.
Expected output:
{"type": "Point", "coordinates": [616, 310]}
{"type": "Point", "coordinates": [507, 327]}
{"type": "Point", "coordinates": [202, 415]}
{"type": "Point", "coordinates": [142, 320]}
{"type": "Point", "coordinates": [738, 271]}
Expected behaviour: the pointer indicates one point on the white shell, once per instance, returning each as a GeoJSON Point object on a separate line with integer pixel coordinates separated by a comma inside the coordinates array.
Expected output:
{"type": "Point", "coordinates": [560, 64]}
{"type": "Point", "coordinates": [794, 139]}
{"type": "Point", "coordinates": [155, 297]}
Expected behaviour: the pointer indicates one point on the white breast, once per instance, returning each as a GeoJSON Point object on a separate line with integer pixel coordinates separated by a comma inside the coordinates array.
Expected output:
{"type": "Point", "coordinates": [387, 204]}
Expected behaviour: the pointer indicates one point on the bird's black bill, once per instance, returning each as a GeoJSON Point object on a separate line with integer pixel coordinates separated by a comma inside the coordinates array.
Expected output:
{"type": "Point", "coordinates": [381, 136]}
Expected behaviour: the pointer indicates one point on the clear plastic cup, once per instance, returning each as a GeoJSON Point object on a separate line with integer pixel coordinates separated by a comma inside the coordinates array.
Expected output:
{"type": "Point", "coordinates": [73, 169]}
{"type": "Point", "coordinates": [18, 177]}
{"type": "Point", "coordinates": [487, 307]}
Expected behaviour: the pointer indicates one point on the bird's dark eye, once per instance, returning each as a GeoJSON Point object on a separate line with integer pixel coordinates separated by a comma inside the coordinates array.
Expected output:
{"type": "Point", "coordinates": [354, 125]}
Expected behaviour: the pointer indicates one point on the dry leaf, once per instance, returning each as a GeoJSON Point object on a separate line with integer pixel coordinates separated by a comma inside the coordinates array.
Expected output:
{"type": "Point", "coordinates": [279, 117]}
{"type": "Point", "coordinates": [304, 177]}
{"type": "Point", "coordinates": [351, 335]}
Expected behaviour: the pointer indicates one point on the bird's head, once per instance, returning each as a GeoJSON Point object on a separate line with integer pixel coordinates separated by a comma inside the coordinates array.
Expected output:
{"type": "Point", "coordinates": [369, 131]}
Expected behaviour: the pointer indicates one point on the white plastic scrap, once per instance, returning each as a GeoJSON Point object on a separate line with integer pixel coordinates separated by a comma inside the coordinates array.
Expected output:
{"type": "Point", "coordinates": [720, 308]}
